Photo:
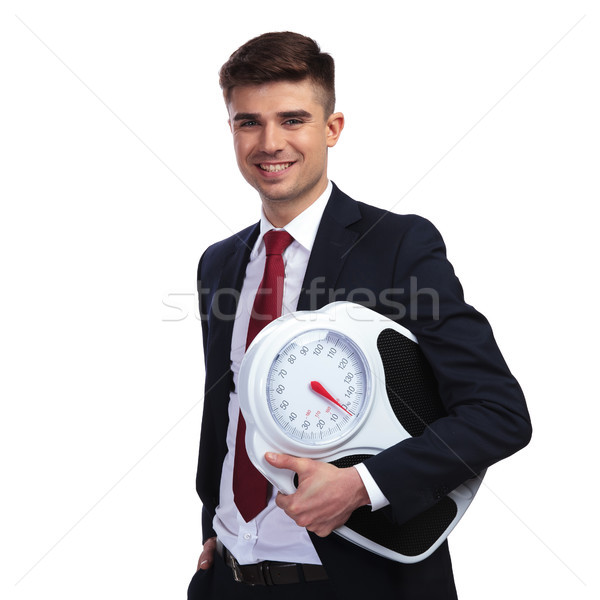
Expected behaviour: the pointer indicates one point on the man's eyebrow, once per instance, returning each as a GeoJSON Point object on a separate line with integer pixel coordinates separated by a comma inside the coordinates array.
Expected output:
{"type": "Point", "coordinates": [291, 114]}
{"type": "Point", "coordinates": [246, 116]}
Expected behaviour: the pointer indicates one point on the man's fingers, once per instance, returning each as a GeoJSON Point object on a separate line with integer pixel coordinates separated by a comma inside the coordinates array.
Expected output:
{"type": "Point", "coordinates": [326, 495]}
{"type": "Point", "coordinates": [207, 557]}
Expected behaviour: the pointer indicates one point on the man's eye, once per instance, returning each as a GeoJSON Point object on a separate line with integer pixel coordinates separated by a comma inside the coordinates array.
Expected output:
{"type": "Point", "coordinates": [248, 123]}
{"type": "Point", "coordinates": [293, 122]}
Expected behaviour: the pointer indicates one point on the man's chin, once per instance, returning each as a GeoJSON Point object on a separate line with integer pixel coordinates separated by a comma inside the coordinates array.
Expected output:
{"type": "Point", "coordinates": [275, 193]}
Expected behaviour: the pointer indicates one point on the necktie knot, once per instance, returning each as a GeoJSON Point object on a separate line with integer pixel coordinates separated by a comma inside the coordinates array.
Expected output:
{"type": "Point", "coordinates": [277, 241]}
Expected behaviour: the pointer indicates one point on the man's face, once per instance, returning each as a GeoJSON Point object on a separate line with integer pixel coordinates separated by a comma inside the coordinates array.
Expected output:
{"type": "Point", "coordinates": [281, 136]}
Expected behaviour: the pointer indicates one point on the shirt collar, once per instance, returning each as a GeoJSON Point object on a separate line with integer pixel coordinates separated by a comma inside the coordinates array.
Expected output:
{"type": "Point", "coordinates": [304, 227]}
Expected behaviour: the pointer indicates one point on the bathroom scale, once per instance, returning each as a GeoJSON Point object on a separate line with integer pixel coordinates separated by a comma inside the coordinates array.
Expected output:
{"type": "Point", "coordinates": [340, 385]}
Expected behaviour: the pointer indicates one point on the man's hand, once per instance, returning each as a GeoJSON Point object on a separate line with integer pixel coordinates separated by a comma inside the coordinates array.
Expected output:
{"type": "Point", "coordinates": [207, 557]}
{"type": "Point", "coordinates": [326, 495]}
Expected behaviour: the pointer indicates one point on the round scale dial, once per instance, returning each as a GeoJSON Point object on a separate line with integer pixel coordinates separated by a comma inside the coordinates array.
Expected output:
{"type": "Point", "coordinates": [318, 387]}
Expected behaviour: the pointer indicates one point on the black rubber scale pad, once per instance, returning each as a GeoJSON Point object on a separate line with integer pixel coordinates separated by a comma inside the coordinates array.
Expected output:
{"type": "Point", "coordinates": [412, 393]}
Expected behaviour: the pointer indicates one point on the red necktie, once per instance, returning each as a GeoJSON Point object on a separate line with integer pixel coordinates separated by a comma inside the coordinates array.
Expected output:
{"type": "Point", "coordinates": [250, 488]}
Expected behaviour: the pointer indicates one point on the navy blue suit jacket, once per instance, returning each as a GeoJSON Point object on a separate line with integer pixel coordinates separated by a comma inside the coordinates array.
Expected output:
{"type": "Point", "coordinates": [395, 264]}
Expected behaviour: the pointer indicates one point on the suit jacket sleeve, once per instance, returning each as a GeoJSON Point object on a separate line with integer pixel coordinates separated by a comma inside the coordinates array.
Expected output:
{"type": "Point", "coordinates": [487, 418]}
{"type": "Point", "coordinates": [207, 517]}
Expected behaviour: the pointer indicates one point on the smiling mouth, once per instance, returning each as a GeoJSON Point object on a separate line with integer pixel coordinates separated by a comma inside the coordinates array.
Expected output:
{"type": "Point", "coordinates": [274, 168]}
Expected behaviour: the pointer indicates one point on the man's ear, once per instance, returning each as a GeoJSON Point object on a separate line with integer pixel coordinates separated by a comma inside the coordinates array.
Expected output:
{"type": "Point", "coordinates": [335, 124]}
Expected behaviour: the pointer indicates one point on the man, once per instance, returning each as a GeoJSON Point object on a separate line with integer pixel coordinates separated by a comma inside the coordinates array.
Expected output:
{"type": "Point", "coordinates": [279, 93]}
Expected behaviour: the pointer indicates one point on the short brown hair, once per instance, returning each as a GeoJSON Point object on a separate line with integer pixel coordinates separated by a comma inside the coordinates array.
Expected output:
{"type": "Point", "coordinates": [280, 56]}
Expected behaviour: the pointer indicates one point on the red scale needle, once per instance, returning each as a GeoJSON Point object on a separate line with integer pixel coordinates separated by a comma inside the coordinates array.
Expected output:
{"type": "Point", "coordinates": [317, 387]}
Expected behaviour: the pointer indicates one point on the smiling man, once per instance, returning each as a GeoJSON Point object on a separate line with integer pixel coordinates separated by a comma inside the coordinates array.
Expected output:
{"type": "Point", "coordinates": [314, 243]}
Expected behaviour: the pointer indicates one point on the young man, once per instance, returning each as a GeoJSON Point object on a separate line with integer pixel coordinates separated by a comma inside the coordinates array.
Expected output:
{"type": "Point", "coordinates": [279, 92]}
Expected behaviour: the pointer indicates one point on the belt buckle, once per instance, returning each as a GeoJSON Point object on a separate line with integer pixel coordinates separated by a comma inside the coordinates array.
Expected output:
{"type": "Point", "coordinates": [237, 572]}
{"type": "Point", "coordinates": [235, 567]}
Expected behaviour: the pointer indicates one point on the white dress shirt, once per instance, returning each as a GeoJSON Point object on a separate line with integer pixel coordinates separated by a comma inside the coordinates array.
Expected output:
{"type": "Point", "coordinates": [261, 538]}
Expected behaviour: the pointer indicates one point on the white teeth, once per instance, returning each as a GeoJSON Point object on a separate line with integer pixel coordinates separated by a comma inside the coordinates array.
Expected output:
{"type": "Point", "coordinates": [275, 168]}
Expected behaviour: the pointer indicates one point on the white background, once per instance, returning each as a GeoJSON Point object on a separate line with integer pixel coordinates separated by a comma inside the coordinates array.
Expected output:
{"type": "Point", "coordinates": [117, 171]}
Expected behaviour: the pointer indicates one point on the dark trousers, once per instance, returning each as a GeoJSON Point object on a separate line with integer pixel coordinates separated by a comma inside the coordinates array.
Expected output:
{"type": "Point", "coordinates": [217, 583]}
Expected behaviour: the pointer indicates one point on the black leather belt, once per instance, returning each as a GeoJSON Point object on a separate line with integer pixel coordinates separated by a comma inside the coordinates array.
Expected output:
{"type": "Point", "coordinates": [270, 572]}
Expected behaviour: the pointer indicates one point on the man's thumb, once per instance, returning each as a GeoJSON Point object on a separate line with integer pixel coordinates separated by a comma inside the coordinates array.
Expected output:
{"type": "Point", "coordinates": [283, 461]}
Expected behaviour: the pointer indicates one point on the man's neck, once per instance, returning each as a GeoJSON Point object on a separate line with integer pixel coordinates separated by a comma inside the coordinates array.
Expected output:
{"type": "Point", "coordinates": [281, 212]}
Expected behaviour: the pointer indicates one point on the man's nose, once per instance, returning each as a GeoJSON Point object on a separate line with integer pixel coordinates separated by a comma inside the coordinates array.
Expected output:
{"type": "Point", "coordinates": [272, 139]}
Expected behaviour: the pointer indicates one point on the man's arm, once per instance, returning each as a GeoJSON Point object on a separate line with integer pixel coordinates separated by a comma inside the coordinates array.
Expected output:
{"type": "Point", "coordinates": [486, 415]}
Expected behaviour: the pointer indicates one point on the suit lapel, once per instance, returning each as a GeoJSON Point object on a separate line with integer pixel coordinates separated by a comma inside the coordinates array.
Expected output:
{"type": "Point", "coordinates": [222, 314]}
{"type": "Point", "coordinates": [232, 275]}
{"type": "Point", "coordinates": [333, 243]}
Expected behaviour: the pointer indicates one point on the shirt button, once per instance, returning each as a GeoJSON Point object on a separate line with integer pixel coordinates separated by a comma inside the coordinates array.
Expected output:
{"type": "Point", "coordinates": [247, 536]}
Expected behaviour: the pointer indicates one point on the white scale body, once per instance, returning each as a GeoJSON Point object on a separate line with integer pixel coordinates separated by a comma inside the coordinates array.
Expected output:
{"type": "Point", "coordinates": [337, 348]}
